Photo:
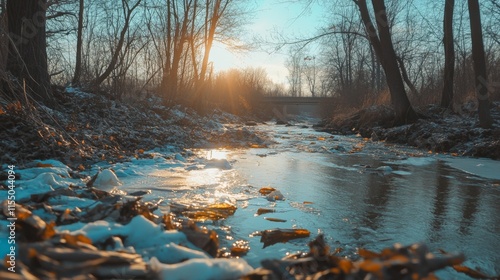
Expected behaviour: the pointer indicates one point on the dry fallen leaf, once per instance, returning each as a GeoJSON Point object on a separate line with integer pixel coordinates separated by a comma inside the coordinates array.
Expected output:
{"type": "Point", "coordinates": [266, 190]}
{"type": "Point", "coordinates": [273, 236]}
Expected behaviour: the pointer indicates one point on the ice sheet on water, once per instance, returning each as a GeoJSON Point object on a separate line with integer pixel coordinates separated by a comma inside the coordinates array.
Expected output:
{"type": "Point", "coordinates": [482, 167]}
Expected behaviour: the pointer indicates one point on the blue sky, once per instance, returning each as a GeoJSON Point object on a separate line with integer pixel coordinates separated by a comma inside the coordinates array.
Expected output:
{"type": "Point", "coordinates": [271, 18]}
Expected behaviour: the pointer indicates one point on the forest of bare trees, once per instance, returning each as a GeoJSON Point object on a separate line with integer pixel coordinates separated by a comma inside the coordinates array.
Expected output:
{"type": "Point", "coordinates": [126, 49]}
{"type": "Point", "coordinates": [433, 58]}
{"type": "Point", "coordinates": [409, 52]}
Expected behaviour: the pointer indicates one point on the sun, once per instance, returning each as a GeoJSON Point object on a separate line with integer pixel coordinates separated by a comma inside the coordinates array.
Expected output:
{"type": "Point", "coordinates": [222, 58]}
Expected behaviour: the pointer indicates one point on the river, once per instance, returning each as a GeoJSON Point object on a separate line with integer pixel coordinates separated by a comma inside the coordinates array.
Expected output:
{"type": "Point", "coordinates": [358, 193]}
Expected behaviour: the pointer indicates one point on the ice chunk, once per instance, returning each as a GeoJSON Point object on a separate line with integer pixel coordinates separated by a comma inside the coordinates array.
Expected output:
{"type": "Point", "coordinates": [218, 163]}
{"type": "Point", "coordinates": [106, 180]}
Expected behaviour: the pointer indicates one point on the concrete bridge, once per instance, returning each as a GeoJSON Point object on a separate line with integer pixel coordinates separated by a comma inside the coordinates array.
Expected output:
{"type": "Point", "coordinates": [283, 106]}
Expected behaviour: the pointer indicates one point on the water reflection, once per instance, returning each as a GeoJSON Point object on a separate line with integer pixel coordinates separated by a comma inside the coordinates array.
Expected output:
{"type": "Point", "coordinates": [376, 199]}
{"type": "Point", "coordinates": [471, 197]}
{"type": "Point", "coordinates": [440, 203]}
{"type": "Point", "coordinates": [358, 206]}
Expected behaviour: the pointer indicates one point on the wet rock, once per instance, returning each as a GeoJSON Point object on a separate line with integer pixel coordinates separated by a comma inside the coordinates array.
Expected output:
{"type": "Point", "coordinates": [275, 195]}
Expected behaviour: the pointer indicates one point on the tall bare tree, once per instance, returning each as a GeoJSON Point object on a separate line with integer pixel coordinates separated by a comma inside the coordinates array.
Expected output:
{"type": "Point", "coordinates": [294, 65]}
{"type": "Point", "coordinates": [481, 78]}
{"type": "Point", "coordinates": [380, 39]}
{"type": "Point", "coordinates": [27, 59]}
{"type": "Point", "coordinates": [79, 45]}
{"type": "Point", "coordinates": [127, 12]}
{"type": "Point", "coordinates": [449, 54]}
{"type": "Point", "coordinates": [178, 23]}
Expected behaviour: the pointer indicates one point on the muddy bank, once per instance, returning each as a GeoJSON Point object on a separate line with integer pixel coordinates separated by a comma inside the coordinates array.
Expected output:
{"type": "Point", "coordinates": [439, 130]}
{"type": "Point", "coordinates": [86, 128]}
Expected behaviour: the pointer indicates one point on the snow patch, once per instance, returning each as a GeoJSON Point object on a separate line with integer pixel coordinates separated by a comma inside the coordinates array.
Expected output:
{"type": "Point", "coordinates": [202, 269]}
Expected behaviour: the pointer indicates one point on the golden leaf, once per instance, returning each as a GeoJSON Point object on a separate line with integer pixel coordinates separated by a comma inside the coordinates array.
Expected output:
{"type": "Point", "coordinates": [49, 230]}
{"type": "Point", "coordinates": [346, 266]}
{"type": "Point", "coordinates": [371, 266]}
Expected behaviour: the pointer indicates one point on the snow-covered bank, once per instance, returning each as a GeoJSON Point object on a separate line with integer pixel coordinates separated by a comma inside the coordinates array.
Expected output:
{"type": "Point", "coordinates": [439, 130]}
{"type": "Point", "coordinates": [64, 222]}
{"type": "Point", "coordinates": [87, 128]}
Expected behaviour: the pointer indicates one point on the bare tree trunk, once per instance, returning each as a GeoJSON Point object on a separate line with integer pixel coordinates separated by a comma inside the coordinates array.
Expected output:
{"type": "Point", "coordinates": [119, 46]}
{"type": "Point", "coordinates": [175, 47]}
{"type": "Point", "coordinates": [79, 43]}
{"type": "Point", "coordinates": [382, 44]}
{"type": "Point", "coordinates": [27, 58]}
{"type": "Point", "coordinates": [211, 21]}
{"type": "Point", "coordinates": [482, 86]}
{"type": "Point", "coordinates": [405, 76]}
{"type": "Point", "coordinates": [449, 55]}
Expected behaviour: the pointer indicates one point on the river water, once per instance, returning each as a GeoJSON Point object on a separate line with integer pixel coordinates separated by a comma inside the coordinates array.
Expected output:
{"type": "Point", "coordinates": [358, 193]}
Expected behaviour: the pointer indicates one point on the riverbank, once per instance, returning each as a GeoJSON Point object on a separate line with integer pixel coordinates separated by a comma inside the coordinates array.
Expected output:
{"type": "Point", "coordinates": [438, 131]}
{"type": "Point", "coordinates": [86, 128]}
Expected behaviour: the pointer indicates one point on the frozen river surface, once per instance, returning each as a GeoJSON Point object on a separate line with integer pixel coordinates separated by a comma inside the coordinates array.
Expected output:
{"type": "Point", "coordinates": [358, 193]}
